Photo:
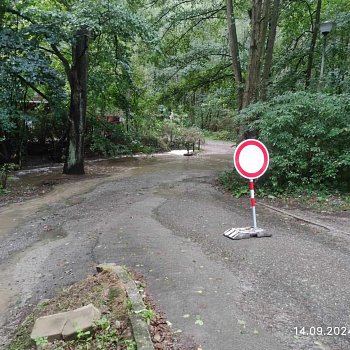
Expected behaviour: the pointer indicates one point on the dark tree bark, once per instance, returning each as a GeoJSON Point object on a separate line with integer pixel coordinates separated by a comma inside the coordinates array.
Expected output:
{"type": "Point", "coordinates": [4, 154]}
{"type": "Point", "coordinates": [77, 74]}
{"type": "Point", "coordinates": [74, 162]}
{"type": "Point", "coordinates": [234, 51]}
{"type": "Point", "coordinates": [264, 19]}
{"type": "Point", "coordinates": [259, 22]}
{"type": "Point", "coordinates": [269, 48]}
{"type": "Point", "coordinates": [315, 29]}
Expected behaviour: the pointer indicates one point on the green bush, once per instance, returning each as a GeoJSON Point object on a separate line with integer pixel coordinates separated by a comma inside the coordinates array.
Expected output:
{"type": "Point", "coordinates": [223, 135]}
{"type": "Point", "coordinates": [232, 182]}
{"type": "Point", "coordinates": [308, 137]}
{"type": "Point", "coordinates": [110, 139]}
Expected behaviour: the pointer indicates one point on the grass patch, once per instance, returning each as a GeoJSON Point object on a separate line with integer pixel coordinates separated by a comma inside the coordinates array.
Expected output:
{"type": "Point", "coordinates": [321, 200]}
{"type": "Point", "coordinates": [223, 135]}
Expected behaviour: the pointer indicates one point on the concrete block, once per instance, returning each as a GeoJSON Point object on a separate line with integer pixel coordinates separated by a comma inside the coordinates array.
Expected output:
{"type": "Point", "coordinates": [65, 325]}
{"type": "Point", "coordinates": [49, 326]}
{"type": "Point", "coordinates": [80, 320]}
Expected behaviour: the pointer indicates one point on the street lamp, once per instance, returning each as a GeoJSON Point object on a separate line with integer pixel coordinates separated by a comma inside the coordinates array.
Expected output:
{"type": "Point", "coordinates": [325, 28]}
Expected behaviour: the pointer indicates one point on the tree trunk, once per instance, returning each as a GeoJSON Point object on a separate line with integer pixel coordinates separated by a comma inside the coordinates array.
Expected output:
{"type": "Point", "coordinates": [234, 51]}
{"type": "Point", "coordinates": [259, 20]}
{"type": "Point", "coordinates": [315, 29]}
{"type": "Point", "coordinates": [208, 121]}
{"type": "Point", "coordinates": [74, 162]}
{"type": "Point", "coordinates": [4, 154]}
{"type": "Point", "coordinates": [269, 48]}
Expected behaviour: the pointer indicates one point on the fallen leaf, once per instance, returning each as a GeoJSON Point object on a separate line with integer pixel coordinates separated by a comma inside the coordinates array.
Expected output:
{"type": "Point", "coordinates": [242, 323]}
{"type": "Point", "coordinates": [320, 345]}
{"type": "Point", "coordinates": [199, 322]}
{"type": "Point", "coordinates": [157, 337]}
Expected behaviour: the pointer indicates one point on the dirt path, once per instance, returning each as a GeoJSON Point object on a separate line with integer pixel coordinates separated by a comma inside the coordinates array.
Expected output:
{"type": "Point", "coordinates": [26, 239]}
{"type": "Point", "coordinates": [14, 214]}
{"type": "Point", "coordinates": [163, 217]}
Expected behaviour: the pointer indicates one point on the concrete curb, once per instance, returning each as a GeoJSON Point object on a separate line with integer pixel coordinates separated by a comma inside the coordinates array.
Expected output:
{"type": "Point", "coordinates": [139, 326]}
{"type": "Point", "coordinates": [300, 218]}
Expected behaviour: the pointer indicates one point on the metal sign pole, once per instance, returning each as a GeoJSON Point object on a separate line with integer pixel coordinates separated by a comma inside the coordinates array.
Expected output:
{"type": "Point", "coordinates": [251, 160]}
{"type": "Point", "coordinates": [252, 200]}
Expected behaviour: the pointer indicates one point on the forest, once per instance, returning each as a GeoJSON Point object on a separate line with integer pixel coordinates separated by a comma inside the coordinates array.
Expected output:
{"type": "Point", "coordinates": [106, 78]}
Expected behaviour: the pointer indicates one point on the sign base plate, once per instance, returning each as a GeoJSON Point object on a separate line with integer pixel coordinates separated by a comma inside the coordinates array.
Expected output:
{"type": "Point", "coordinates": [246, 232]}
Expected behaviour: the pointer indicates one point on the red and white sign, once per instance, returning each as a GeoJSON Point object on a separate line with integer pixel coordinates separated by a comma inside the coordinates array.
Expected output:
{"type": "Point", "coordinates": [251, 159]}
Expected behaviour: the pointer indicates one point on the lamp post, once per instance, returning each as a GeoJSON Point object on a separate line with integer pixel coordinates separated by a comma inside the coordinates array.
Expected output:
{"type": "Point", "coordinates": [325, 28]}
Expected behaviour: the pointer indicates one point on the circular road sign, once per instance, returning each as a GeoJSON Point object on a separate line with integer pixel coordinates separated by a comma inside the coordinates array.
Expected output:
{"type": "Point", "coordinates": [251, 159]}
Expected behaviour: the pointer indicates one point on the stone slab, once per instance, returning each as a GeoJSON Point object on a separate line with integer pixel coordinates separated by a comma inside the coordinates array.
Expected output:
{"type": "Point", "coordinates": [65, 325]}
{"type": "Point", "coordinates": [80, 320]}
{"type": "Point", "coordinates": [49, 327]}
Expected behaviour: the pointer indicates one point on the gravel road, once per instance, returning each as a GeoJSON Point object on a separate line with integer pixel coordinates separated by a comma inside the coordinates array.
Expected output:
{"type": "Point", "coordinates": [164, 217]}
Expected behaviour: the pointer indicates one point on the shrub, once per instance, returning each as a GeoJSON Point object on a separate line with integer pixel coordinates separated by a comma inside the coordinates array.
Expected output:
{"type": "Point", "coordinates": [223, 135]}
{"type": "Point", "coordinates": [110, 140]}
{"type": "Point", "coordinates": [308, 137]}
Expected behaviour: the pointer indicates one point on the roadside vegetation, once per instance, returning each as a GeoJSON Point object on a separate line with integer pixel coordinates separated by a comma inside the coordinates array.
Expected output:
{"type": "Point", "coordinates": [112, 331]}
{"type": "Point", "coordinates": [309, 159]}
{"type": "Point", "coordinates": [106, 78]}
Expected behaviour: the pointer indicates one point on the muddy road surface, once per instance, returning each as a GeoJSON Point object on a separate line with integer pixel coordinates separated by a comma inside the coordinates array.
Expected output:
{"type": "Point", "coordinates": [164, 217]}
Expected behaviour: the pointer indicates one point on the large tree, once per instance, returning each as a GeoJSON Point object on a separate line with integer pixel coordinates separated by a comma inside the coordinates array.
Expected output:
{"type": "Point", "coordinates": [234, 51]}
{"type": "Point", "coordinates": [251, 60]}
{"type": "Point", "coordinates": [264, 17]}
{"type": "Point", "coordinates": [315, 27]}
{"type": "Point", "coordinates": [60, 31]}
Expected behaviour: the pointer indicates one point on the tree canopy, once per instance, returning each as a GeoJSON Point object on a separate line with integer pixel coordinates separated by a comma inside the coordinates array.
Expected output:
{"type": "Point", "coordinates": [103, 76]}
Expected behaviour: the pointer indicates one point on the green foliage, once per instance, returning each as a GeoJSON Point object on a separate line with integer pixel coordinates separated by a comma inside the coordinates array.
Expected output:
{"type": "Point", "coordinates": [223, 135]}
{"type": "Point", "coordinates": [36, 40]}
{"type": "Point", "coordinates": [148, 315]}
{"type": "Point", "coordinates": [112, 294]}
{"type": "Point", "coordinates": [130, 344]}
{"type": "Point", "coordinates": [307, 137]}
{"type": "Point", "coordinates": [84, 339]}
{"type": "Point", "coordinates": [232, 182]}
{"type": "Point", "coordinates": [130, 305]}
{"type": "Point", "coordinates": [113, 139]}
{"type": "Point", "coordinates": [190, 135]}
{"type": "Point", "coordinates": [181, 62]}
{"type": "Point", "coordinates": [40, 342]}
{"type": "Point", "coordinates": [293, 48]}
{"type": "Point", "coordinates": [110, 139]}
{"type": "Point", "coordinates": [103, 336]}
